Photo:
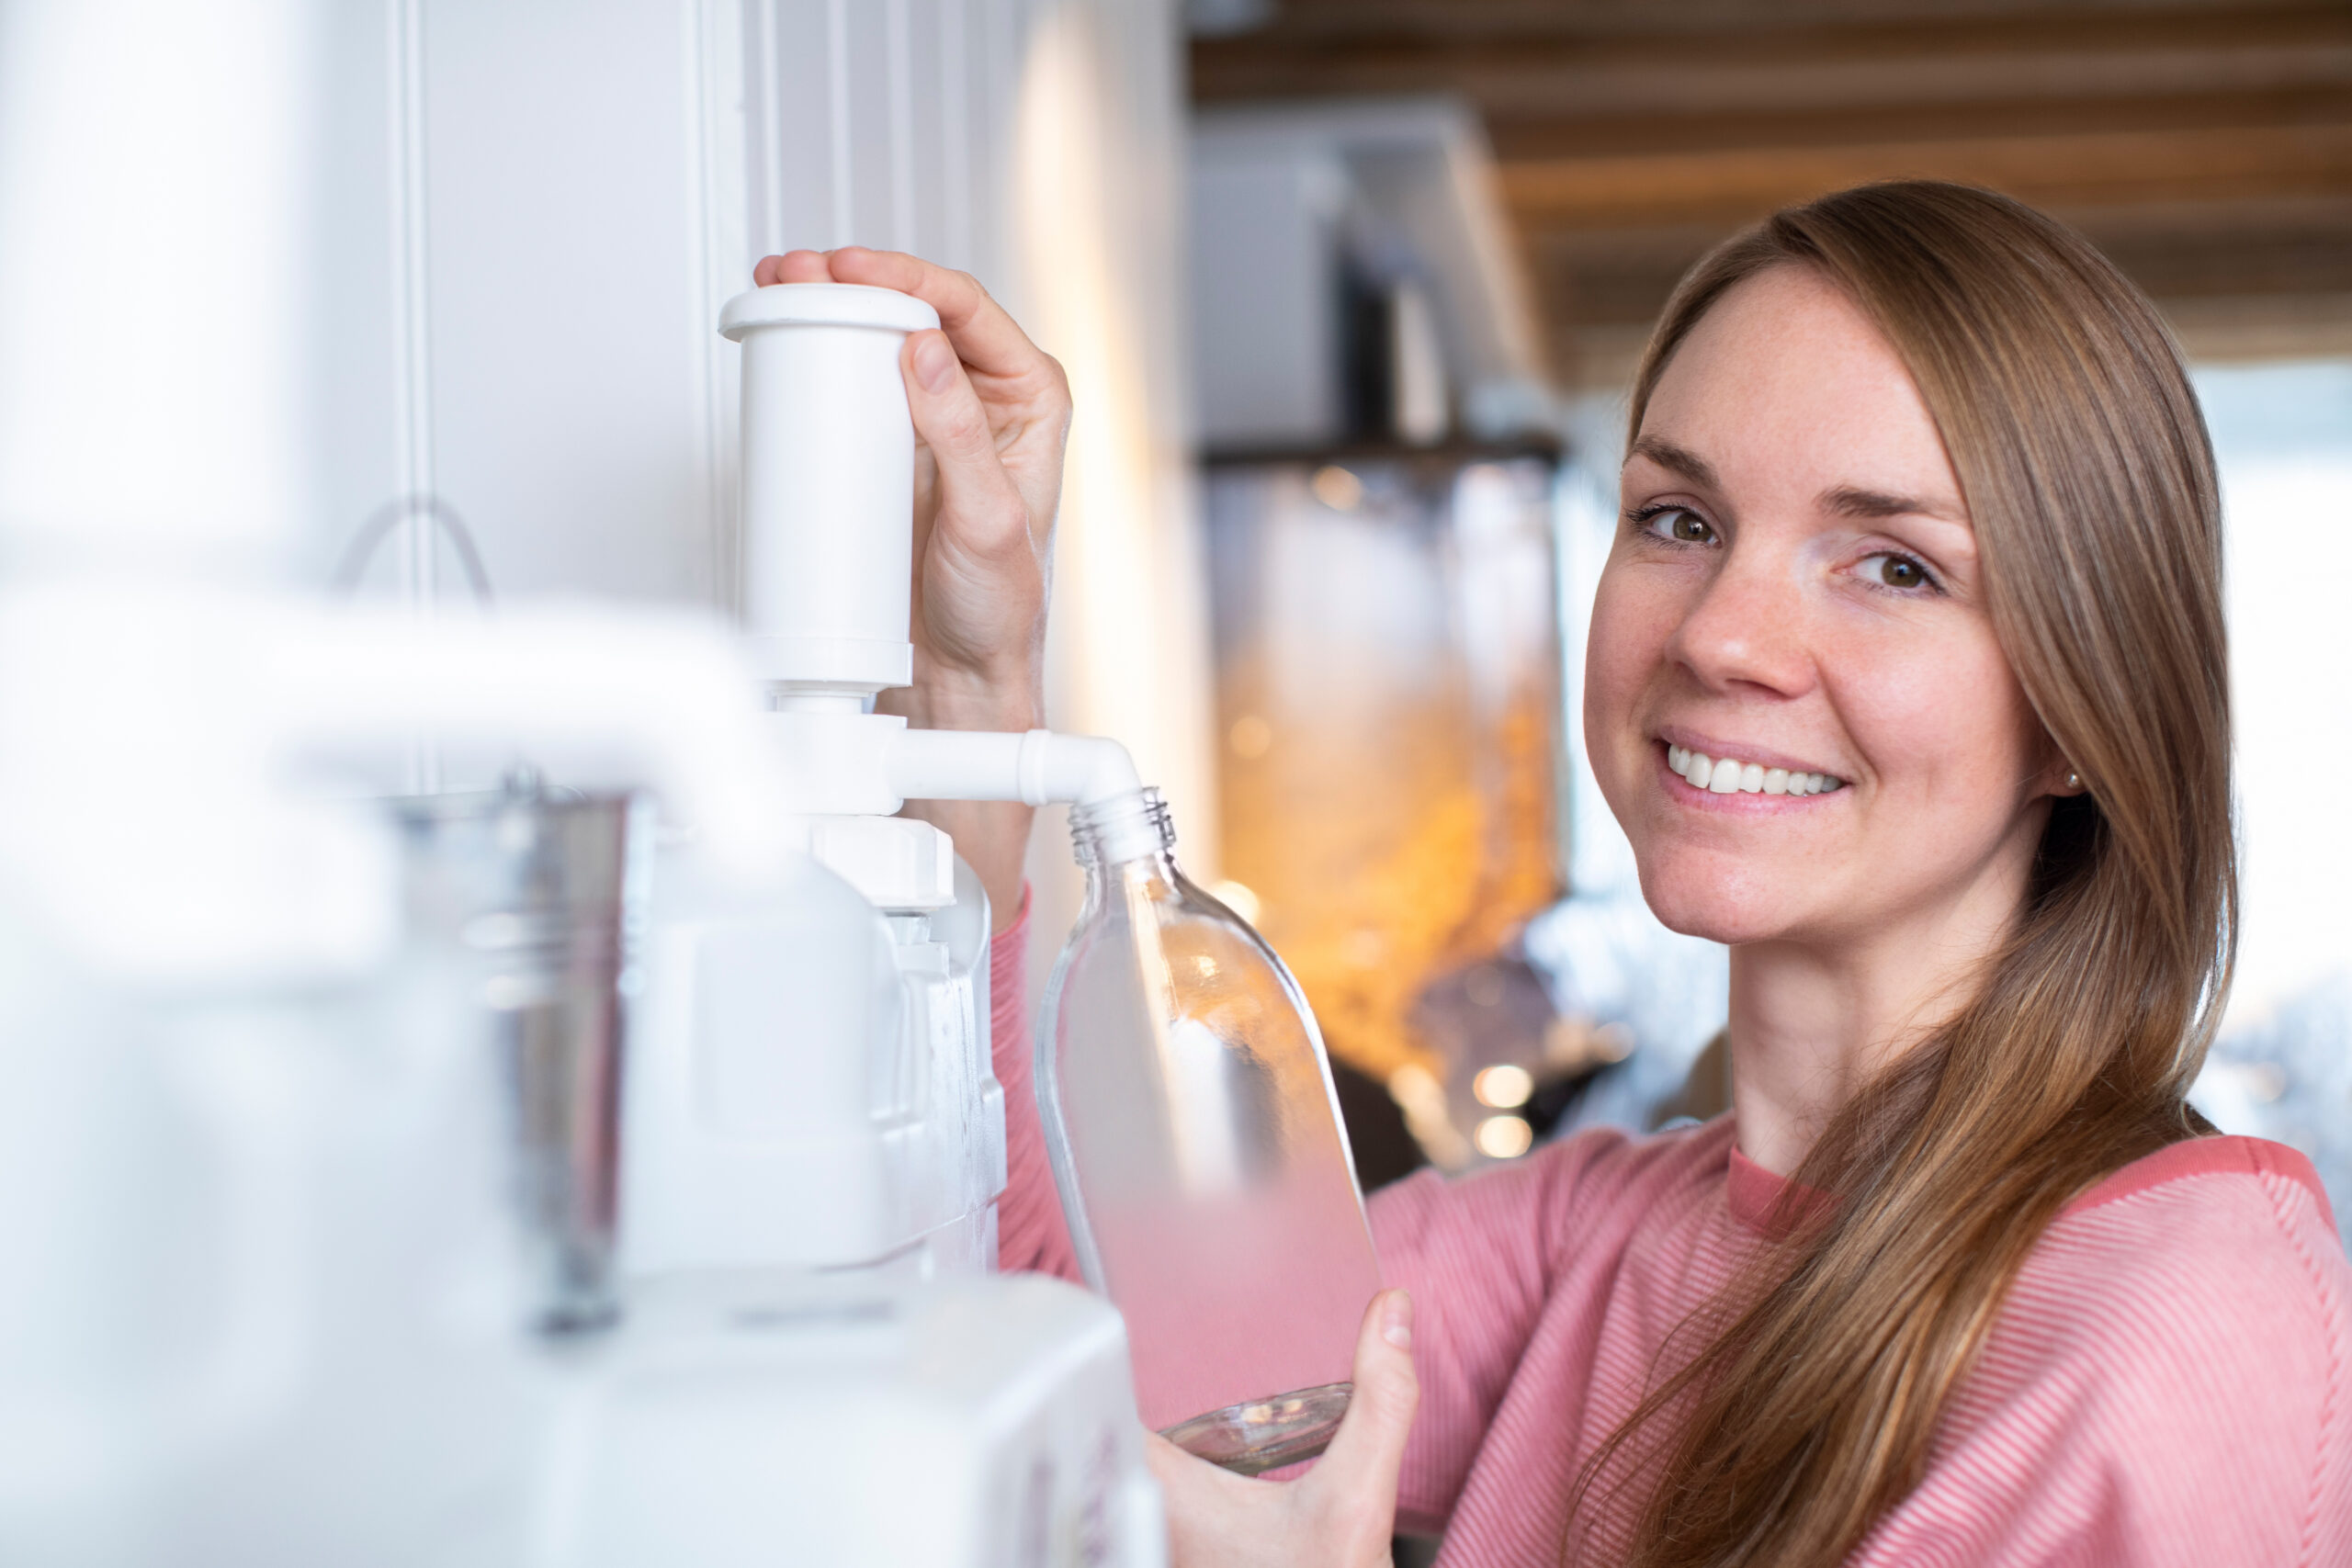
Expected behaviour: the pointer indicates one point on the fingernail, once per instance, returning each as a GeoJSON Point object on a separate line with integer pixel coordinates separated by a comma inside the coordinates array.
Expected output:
{"type": "Point", "coordinates": [1397, 1323]}
{"type": "Point", "coordinates": [934, 363]}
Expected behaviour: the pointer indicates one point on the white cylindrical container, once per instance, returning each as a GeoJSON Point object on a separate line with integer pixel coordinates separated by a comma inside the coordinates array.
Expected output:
{"type": "Point", "coordinates": [828, 482]}
{"type": "Point", "coordinates": [210, 128]}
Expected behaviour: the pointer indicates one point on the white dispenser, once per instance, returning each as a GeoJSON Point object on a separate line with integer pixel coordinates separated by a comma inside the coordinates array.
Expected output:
{"type": "Point", "coordinates": [828, 484]}
{"type": "Point", "coordinates": [811, 1158]}
{"type": "Point", "coordinates": [814, 1138]}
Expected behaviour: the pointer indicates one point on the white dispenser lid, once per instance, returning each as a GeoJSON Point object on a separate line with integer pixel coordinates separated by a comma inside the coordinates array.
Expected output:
{"type": "Point", "coordinates": [824, 304]}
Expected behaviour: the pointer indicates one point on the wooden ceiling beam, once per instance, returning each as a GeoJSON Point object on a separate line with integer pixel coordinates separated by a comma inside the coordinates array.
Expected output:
{"type": "Point", "coordinates": [1735, 184]}
{"type": "Point", "coordinates": [1305, 25]}
{"type": "Point", "coordinates": [2176, 250]}
{"type": "Point", "coordinates": [2148, 50]}
{"type": "Point", "coordinates": [1536, 141]}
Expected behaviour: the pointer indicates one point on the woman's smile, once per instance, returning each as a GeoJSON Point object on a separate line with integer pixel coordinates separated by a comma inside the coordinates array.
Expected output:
{"type": "Point", "coordinates": [1707, 767]}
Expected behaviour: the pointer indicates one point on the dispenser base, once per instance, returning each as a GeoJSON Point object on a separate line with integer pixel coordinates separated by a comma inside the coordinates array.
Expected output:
{"type": "Point", "coordinates": [1259, 1435]}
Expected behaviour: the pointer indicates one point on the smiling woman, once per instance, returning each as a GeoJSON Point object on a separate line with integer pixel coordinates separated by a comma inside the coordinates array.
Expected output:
{"type": "Point", "coordinates": [1917, 499]}
{"type": "Point", "coordinates": [1906, 680]}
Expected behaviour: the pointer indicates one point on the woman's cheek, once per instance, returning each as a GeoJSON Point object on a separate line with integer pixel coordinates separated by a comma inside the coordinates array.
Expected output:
{"type": "Point", "coordinates": [1627, 641]}
{"type": "Point", "coordinates": [1941, 723]}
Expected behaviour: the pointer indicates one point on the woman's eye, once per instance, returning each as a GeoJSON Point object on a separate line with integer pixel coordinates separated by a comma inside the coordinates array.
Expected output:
{"type": "Point", "coordinates": [1678, 524]}
{"type": "Point", "coordinates": [1890, 570]}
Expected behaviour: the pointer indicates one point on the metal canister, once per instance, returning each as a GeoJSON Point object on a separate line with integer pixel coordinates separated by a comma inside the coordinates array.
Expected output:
{"type": "Point", "coordinates": [543, 892]}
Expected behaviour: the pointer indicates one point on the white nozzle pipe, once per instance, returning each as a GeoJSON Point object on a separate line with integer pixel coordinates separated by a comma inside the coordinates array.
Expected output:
{"type": "Point", "coordinates": [621, 699]}
{"type": "Point", "coordinates": [161, 766]}
{"type": "Point", "coordinates": [1039, 767]}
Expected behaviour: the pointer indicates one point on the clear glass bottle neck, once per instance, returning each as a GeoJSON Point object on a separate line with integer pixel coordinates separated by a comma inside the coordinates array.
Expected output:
{"type": "Point", "coordinates": [1124, 830]}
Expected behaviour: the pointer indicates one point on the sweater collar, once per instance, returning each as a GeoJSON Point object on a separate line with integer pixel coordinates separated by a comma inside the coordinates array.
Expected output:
{"type": "Point", "coordinates": [1756, 1195]}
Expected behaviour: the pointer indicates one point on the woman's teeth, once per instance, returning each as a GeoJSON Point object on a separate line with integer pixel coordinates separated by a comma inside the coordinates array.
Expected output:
{"type": "Point", "coordinates": [1729, 775]}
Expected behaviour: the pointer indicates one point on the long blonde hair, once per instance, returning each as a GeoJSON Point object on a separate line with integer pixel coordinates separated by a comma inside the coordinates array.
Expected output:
{"type": "Point", "coordinates": [2068, 416]}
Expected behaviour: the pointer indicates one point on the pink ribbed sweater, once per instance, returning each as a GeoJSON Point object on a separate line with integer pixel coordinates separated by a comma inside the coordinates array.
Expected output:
{"type": "Point", "coordinates": [2169, 1380]}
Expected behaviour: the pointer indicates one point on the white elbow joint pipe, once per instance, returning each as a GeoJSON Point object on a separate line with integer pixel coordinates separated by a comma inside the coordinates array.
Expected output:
{"type": "Point", "coordinates": [1039, 767]}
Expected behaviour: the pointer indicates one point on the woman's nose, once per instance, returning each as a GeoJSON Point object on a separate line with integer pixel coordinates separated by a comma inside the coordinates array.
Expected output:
{"type": "Point", "coordinates": [1746, 628]}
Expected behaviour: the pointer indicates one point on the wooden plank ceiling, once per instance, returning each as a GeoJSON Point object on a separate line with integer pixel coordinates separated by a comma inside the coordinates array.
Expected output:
{"type": "Point", "coordinates": [2206, 145]}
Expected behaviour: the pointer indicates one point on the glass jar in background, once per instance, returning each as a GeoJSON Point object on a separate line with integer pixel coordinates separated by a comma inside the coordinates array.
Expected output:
{"type": "Point", "coordinates": [1386, 637]}
{"type": "Point", "coordinates": [1197, 1144]}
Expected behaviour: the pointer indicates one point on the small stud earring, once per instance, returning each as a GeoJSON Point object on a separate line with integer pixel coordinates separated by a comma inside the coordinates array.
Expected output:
{"type": "Point", "coordinates": [2074, 780]}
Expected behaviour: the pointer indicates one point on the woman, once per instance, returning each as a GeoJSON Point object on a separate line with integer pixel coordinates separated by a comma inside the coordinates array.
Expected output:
{"type": "Point", "coordinates": [1906, 681]}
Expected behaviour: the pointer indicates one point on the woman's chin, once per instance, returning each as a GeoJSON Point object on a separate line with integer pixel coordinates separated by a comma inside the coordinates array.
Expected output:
{"type": "Point", "coordinates": [1717, 908]}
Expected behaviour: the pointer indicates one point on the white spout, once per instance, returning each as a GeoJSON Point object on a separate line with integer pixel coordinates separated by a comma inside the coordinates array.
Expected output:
{"type": "Point", "coordinates": [1039, 767]}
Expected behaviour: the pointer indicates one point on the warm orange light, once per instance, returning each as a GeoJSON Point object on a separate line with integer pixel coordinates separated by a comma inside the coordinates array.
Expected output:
{"type": "Point", "coordinates": [1336, 487]}
{"type": "Point", "coordinates": [1505, 1086]}
{"type": "Point", "coordinates": [1504, 1137]}
{"type": "Point", "coordinates": [1238, 897]}
{"type": "Point", "coordinates": [1251, 737]}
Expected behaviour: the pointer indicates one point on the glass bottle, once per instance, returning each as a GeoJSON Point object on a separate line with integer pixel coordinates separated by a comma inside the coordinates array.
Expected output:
{"type": "Point", "coordinates": [1196, 1140]}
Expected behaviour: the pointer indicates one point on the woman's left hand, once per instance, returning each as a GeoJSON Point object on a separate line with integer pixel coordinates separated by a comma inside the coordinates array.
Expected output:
{"type": "Point", "coordinates": [1342, 1513]}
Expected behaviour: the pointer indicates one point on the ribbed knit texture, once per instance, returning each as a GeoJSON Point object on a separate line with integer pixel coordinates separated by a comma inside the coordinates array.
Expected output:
{"type": "Point", "coordinates": [2167, 1383]}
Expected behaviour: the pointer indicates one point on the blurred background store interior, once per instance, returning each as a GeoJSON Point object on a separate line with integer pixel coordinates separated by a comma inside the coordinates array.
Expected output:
{"type": "Point", "coordinates": [1348, 291]}
{"type": "Point", "coordinates": [2206, 147]}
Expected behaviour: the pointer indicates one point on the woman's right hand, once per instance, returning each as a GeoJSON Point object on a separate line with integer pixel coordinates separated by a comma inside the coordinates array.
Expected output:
{"type": "Point", "coordinates": [1342, 1513]}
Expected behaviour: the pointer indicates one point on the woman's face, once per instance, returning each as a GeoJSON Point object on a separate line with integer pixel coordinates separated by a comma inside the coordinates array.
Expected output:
{"type": "Point", "coordinates": [1795, 589]}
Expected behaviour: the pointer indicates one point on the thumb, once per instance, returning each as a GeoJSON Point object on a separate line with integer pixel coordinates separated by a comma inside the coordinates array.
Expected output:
{"type": "Point", "coordinates": [1369, 1447]}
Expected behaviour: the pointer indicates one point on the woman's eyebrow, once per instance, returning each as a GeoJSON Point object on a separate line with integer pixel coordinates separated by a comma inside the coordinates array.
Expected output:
{"type": "Point", "coordinates": [1681, 460]}
{"type": "Point", "coordinates": [1850, 500]}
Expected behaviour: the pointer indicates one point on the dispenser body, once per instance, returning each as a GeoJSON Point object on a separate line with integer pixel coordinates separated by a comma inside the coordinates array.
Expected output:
{"type": "Point", "coordinates": [1195, 1137]}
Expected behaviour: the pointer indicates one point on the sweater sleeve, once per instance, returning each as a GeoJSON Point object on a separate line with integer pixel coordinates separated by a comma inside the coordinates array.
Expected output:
{"type": "Point", "coordinates": [1031, 1236]}
{"type": "Point", "coordinates": [2166, 1387]}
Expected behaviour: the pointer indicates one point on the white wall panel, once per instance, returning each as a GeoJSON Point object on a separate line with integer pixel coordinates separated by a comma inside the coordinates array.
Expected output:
{"type": "Point", "coordinates": [360, 467]}
{"type": "Point", "coordinates": [790, 149]}
{"type": "Point", "coordinates": [538, 206]}
{"type": "Point", "coordinates": [564, 370]}
{"type": "Point", "coordinates": [938, 130]}
{"type": "Point", "coordinates": [869, 114]}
